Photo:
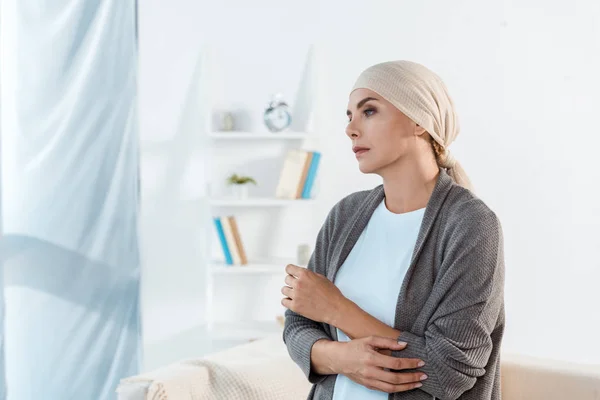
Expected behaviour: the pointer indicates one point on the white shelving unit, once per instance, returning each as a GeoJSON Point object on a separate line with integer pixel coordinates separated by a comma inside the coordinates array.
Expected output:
{"type": "Point", "coordinates": [236, 135]}
{"type": "Point", "coordinates": [256, 202]}
{"type": "Point", "coordinates": [265, 267]}
{"type": "Point", "coordinates": [244, 330]}
{"type": "Point", "coordinates": [300, 136]}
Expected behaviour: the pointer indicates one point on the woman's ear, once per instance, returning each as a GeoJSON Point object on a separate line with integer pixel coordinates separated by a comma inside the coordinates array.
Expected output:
{"type": "Point", "coordinates": [419, 130]}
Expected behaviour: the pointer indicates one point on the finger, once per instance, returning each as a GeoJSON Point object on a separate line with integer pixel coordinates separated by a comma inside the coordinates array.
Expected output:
{"type": "Point", "coordinates": [290, 280]}
{"type": "Point", "coordinates": [287, 292]}
{"type": "Point", "coordinates": [399, 378]}
{"type": "Point", "coordinates": [374, 384]}
{"type": "Point", "coordinates": [385, 352]}
{"type": "Point", "coordinates": [406, 387]}
{"type": "Point", "coordinates": [385, 343]}
{"type": "Point", "coordinates": [396, 363]}
{"type": "Point", "coordinates": [294, 270]}
{"type": "Point", "coordinates": [287, 303]}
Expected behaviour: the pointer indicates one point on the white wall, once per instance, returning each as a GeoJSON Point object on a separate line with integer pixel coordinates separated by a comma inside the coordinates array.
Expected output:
{"type": "Point", "coordinates": [525, 79]}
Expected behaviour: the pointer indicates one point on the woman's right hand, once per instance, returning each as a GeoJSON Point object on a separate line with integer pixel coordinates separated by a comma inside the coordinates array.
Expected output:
{"type": "Point", "coordinates": [365, 362]}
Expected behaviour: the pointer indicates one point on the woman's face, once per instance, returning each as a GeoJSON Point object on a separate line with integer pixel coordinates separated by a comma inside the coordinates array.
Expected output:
{"type": "Point", "coordinates": [381, 134]}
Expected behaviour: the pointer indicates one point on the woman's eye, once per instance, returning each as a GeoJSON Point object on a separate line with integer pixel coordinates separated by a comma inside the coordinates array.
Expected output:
{"type": "Point", "coordinates": [368, 112]}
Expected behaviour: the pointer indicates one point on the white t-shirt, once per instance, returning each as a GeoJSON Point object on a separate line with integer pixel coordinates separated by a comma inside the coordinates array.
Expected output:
{"type": "Point", "coordinates": [372, 276]}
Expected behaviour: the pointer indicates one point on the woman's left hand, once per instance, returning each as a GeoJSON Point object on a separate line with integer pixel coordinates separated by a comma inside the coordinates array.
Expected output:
{"type": "Point", "coordinates": [312, 295]}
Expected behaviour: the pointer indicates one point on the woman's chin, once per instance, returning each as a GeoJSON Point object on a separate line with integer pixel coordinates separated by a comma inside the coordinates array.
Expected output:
{"type": "Point", "coordinates": [365, 168]}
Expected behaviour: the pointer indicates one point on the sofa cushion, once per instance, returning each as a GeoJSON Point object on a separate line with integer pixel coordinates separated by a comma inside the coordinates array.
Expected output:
{"type": "Point", "coordinates": [263, 370]}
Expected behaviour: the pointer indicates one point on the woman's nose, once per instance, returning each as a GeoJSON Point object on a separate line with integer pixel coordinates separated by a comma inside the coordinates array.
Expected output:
{"type": "Point", "coordinates": [351, 131]}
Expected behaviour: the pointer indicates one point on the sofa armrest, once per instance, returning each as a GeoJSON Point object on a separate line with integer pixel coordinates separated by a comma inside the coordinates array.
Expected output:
{"type": "Point", "coordinates": [529, 378]}
{"type": "Point", "coordinates": [261, 369]}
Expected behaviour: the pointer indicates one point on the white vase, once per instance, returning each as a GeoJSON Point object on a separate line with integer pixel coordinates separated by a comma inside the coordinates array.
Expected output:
{"type": "Point", "coordinates": [227, 122]}
{"type": "Point", "coordinates": [240, 191]}
{"type": "Point", "coordinates": [303, 255]}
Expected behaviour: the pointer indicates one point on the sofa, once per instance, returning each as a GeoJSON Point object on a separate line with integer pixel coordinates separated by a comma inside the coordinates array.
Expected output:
{"type": "Point", "coordinates": [263, 370]}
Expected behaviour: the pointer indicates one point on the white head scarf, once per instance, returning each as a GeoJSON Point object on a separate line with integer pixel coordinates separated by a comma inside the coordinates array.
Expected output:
{"type": "Point", "coordinates": [422, 96]}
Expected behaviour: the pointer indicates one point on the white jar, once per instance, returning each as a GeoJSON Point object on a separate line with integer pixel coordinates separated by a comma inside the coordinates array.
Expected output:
{"type": "Point", "coordinates": [303, 255]}
{"type": "Point", "coordinates": [240, 191]}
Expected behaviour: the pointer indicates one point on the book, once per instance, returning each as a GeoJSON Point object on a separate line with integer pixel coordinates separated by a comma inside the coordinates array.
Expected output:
{"type": "Point", "coordinates": [238, 240]}
{"type": "Point", "coordinates": [291, 174]}
{"type": "Point", "coordinates": [312, 173]}
{"type": "Point", "coordinates": [305, 169]}
{"type": "Point", "coordinates": [223, 240]}
{"type": "Point", "coordinates": [233, 249]}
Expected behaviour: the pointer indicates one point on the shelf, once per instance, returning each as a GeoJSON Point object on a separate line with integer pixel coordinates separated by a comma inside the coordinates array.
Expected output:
{"type": "Point", "coordinates": [273, 267]}
{"type": "Point", "coordinates": [256, 151]}
{"type": "Point", "coordinates": [260, 136]}
{"type": "Point", "coordinates": [256, 202]}
{"type": "Point", "coordinates": [244, 330]}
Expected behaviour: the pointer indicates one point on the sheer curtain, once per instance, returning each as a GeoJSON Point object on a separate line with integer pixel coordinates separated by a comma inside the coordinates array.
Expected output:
{"type": "Point", "coordinates": [69, 197]}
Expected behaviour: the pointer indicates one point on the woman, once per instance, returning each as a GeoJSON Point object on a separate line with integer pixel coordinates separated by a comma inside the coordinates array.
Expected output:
{"type": "Point", "coordinates": [403, 295]}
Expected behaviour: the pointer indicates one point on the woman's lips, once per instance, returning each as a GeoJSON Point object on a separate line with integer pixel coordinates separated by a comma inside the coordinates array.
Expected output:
{"type": "Point", "coordinates": [360, 152]}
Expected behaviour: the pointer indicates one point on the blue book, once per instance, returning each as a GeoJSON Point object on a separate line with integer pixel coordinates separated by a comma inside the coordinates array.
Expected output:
{"type": "Point", "coordinates": [228, 259]}
{"type": "Point", "coordinates": [310, 177]}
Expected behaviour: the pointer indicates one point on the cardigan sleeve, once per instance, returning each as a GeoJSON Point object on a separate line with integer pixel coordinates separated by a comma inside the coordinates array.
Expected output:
{"type": "Point", "coordinates": [457, 342]}
{"type": "Point", "coordinates": [301, 333]}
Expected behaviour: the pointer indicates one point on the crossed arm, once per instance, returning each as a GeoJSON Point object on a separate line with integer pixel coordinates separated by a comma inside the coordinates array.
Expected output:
{"type": "Point", "coordinates": [312, 298]}
{"type": "Point", "coordinates": [316, 297]}
{"type": "Point", "coordinates": [457, 343]}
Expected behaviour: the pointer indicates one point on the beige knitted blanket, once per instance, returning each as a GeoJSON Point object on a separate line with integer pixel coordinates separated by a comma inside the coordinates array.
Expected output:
{"type": "Point", "coordinates": [261, 370]}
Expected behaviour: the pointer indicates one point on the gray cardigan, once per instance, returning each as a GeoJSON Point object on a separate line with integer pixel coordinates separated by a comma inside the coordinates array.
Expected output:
{"type": "Point", "coordinates": [450, 307]}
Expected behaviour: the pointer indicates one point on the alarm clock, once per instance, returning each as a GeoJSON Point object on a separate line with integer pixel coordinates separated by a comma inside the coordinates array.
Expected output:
{"type": "Point", "coordinates": [277, 115]}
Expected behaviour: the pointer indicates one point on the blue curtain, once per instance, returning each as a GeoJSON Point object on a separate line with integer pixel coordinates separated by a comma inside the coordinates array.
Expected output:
{"type": "Point", "coordinates": [69, 197]}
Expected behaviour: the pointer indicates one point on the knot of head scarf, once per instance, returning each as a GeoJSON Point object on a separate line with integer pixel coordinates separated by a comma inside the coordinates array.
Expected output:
{"type": "Point", "coordinates": [422, 96]}
{"type": "Point", "coordinates": [447, 160]}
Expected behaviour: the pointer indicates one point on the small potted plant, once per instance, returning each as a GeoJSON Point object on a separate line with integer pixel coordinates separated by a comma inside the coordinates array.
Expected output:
{"type": "Point", "coordinates": [239, 184]}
